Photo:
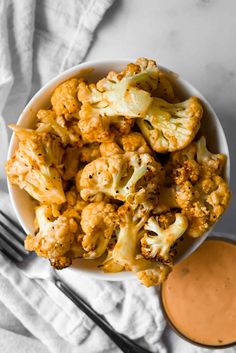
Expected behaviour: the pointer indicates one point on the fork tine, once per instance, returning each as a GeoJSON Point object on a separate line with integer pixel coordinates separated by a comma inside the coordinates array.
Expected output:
{"type": "Point", "coordinates": [14, 234]}
{"type": "Point", "coordinates": [12, 239]}
{"type": "Point", "coordinates": [9, 251]}
{"type": "Point", "coordinates": [12, 221]}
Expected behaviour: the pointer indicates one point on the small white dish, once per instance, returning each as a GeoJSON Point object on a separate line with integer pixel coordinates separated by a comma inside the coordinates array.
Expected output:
{"type": "Point", "coordinates": [92, 71]}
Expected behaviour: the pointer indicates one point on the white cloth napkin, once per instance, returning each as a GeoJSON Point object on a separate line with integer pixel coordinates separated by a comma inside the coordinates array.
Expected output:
{"type": "Point", "coordinates": [38, 40]}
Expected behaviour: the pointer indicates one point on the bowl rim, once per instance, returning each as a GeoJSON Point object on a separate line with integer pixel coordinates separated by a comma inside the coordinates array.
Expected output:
{"type": "Point", "coordinates": [75, 71]}
{"type": "Point", "coordinates": [214, 236]}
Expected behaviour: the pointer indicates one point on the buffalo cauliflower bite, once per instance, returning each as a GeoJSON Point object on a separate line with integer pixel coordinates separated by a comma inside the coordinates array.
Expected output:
{"type": "Point", "coordinates": [169, 127]}
{"type": "Point", "coordinates": [132, 142]}
{"type": "Point", "coordinates": [36, 165]}
{"type": "Point", "coordinates": [195, 161]}
{"type": "Point", "coordinates": [211, 163]}
{"type": "Point", "coordinates": [122, 93]}
{"type": "Point", "coordinates": [97, 128]}
{"type": "Point", "coordinates": [90, 152]}
{"type": "Point", "coordinates": [157, 242]}
{"type": "Point", "coordinates": [153, 273]}
{"type": "Point", "coordinates": [64, 99]}
{"type": "Point", "coordinates": [98, 222]}
{"type": "Point", "coordinates": [119, 176]}
{"type": "Point", "coordinates": [54, 237]}
{"type": "Point", "coordinates": [202, 203]}
{"type": "Point", "coordinates": [68, 131]}
{"type": "Point", "coordinates": [126, 252]}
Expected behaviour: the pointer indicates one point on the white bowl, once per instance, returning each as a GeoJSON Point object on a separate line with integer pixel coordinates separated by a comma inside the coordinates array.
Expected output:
{"type": "Point", "coordinates": [92, 71]}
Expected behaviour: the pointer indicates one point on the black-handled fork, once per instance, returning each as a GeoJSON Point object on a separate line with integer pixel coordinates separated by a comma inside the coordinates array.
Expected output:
{"type": "Point", "coordinates": [12, 245]}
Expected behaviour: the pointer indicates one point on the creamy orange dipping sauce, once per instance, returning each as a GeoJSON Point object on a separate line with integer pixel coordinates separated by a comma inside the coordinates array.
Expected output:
{"type": "Point", "coordinates": [199, 296]}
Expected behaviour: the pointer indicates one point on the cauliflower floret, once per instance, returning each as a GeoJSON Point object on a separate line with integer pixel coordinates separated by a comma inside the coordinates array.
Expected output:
{"type": "Point", "coordinates": [190, 170]}
{"type": "Point", "coordinates": [68, 131]}
{"type": "Point", "coordinates": [211, 163]}
{"type": "Point", "coordinates": [71, 161]}
{"type": "Point", "coordinates": [36, 165]}
{"type": "Point", "coordinates": [89, 152]}
{"type": "Point", "coordinates": [153, 273]}
{"type": "Point", "coordinates": [74, 202]}
{"type": "Point", "coordinates": [97, 128]}
{"type": "Point", "coordinates": [158, 243]}
{"type": "Point", "coordinates": [122, 93]}
{"type": "Point", "coordinates": [170, 127]}
{"type": "Point", "coordinates": [166, 200]}
{"type": "Point", "coordinates": [126, 252]}
{"type": "Point", "coordinates": [119, 176]}
{"type": "Point", "coordinates": [133, 142]}
{"type": "Point", "coordinates": [203, 203]}
{"type": "Point", "coordinates": [54, 237]}
{"type": "Point", "coordinates": [109, 149]}
{"type": "Point", "coordinates": [109, 265]}
{"type": "Point", "coordinates": [98, 222]}
{"type": "Point", "coordinates": [164, 89]}
{"type": "Point", "coordinates": [76, 251]}
{"type": "Point", "coordinates": [165, 219]}
{"type": "Point", "coordinates": [61, 262]}
{"type": "Point", "coordinates": [131, 221]}
{"type": "Point", "coordinates": [64, 99]}
{"type": "Point", "coordinates": [177, 158]}
{"type": "Point", "coordinates": [193, 162]}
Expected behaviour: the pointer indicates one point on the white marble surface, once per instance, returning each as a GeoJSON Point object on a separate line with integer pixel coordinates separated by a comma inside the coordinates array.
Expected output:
{"type": "Point", "coordinates": [195, 38]}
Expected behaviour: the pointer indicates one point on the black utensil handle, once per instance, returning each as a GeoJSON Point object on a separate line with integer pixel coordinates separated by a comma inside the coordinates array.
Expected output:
{"type": "Point", "coordinates": [124, 343]}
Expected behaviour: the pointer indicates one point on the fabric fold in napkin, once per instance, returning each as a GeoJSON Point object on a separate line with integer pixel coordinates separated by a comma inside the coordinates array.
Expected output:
{"type": "Point", "coordinates": [39, 39]}
{"type": "Point", "coordinates": [54, 320]}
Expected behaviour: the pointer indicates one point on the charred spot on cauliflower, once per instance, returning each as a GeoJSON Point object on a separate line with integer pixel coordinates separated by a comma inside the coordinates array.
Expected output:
{"type": "Point", "coordinates": [203, 203]}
